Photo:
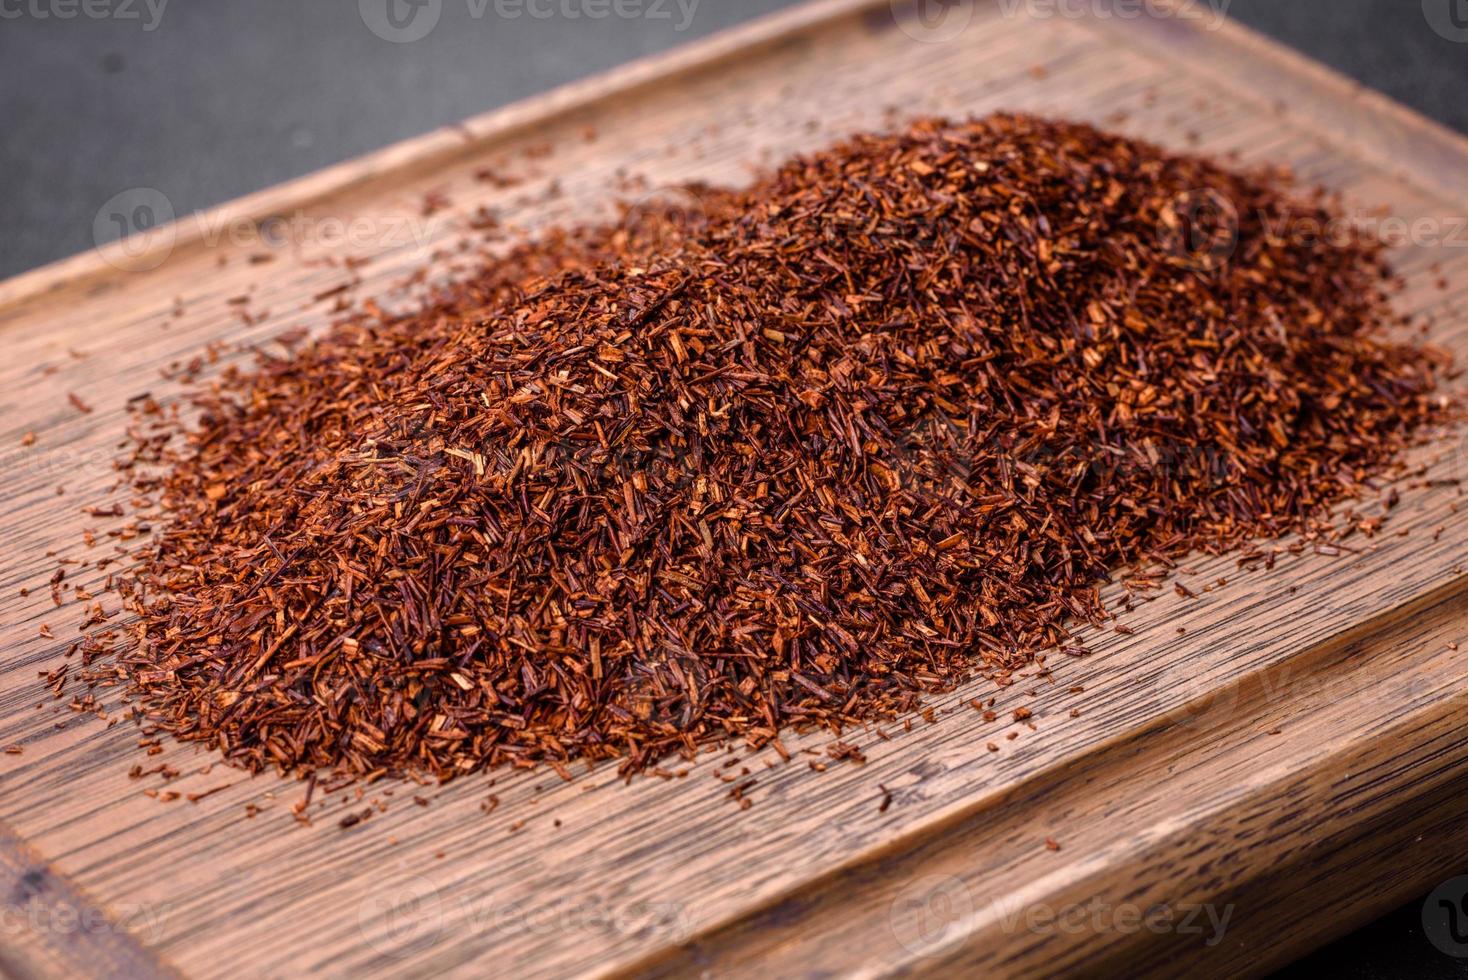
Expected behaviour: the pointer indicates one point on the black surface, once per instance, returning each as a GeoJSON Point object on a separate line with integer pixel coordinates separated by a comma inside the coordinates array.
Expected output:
{"type": "Point", "coordinates": [222, 98]}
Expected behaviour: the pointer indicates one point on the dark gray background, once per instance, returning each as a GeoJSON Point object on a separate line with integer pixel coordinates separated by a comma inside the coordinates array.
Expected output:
{"type": "Point", "coordinates": [222, 98]}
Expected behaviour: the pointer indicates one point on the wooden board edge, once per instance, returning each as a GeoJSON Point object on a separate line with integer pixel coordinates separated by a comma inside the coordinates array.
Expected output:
{"type": "Point", "coordinates": [1359, 878]}
{"type": "Point", "coordinates": [440, 146]}
{"type": "Point", "coordinates": [1312, 95]}
{"type": "Point", "coordinates": [49, 928]}
{"type": "Point", "coordinates": [435, 148]}
{"type": "Point", "coordinates": [1377, 867]}
{"type": "Point", "coordinates": [1296, 72]}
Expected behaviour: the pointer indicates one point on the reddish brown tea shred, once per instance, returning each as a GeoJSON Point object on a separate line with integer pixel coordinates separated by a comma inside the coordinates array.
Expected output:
{"type": "Point", "coordinates": [884, 419]}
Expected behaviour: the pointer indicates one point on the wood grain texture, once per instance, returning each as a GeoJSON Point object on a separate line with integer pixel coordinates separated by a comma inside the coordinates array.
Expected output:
{"type": "Point", "coordinates": [1292, 760]}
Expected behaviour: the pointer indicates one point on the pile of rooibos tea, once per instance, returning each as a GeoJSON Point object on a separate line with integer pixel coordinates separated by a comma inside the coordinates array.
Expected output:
{"type": "Point", "coordinates": [885, 419]}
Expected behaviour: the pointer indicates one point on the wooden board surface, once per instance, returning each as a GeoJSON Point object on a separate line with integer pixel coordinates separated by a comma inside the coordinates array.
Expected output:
{"type": "Point", "coordinates": [1288, 768]}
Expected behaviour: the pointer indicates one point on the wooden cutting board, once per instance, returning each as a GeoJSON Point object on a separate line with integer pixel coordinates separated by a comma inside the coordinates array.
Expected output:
{"type": "Point", "coordinates": [1223, 798]}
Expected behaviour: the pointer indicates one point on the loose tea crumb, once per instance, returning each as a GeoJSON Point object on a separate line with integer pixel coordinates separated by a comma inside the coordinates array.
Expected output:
{"type": "Point", "coordinates": [883, 420]}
